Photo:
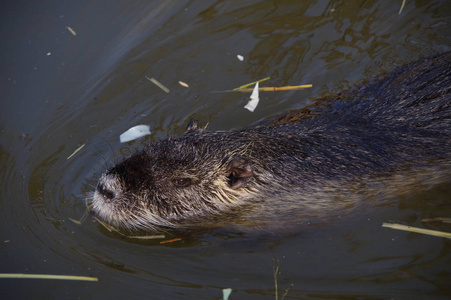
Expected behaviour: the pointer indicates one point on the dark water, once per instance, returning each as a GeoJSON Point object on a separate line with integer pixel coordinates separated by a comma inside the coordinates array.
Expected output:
{"type": "Point", "coordinates": [60, 91]}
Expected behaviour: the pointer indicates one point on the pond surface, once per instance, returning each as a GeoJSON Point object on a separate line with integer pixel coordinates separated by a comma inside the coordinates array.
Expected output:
{"type": "Point", "coordinates": [74, 73]}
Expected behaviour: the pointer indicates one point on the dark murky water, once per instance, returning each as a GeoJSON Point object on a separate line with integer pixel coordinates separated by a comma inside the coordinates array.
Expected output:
{"type": "Point", "coordinates": [61, 91]}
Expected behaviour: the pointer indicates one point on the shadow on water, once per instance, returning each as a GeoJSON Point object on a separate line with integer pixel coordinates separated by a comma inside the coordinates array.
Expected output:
{"type": "Point", "coordinates": [62, 91]}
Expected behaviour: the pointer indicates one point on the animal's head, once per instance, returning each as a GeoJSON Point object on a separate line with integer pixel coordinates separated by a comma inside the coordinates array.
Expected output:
{"type": "Point", "coordinates": [174, 181]}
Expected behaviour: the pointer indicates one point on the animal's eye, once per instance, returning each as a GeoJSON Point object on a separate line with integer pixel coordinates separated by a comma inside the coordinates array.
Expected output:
{"type": "Point", "coordinates": [182, 182]}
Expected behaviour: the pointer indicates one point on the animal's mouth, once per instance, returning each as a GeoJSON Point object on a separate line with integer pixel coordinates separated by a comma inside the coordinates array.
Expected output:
{"type": "Point", "coordinates": [111, 208]}
{"type": "Point", "coordinates": [102, 207]}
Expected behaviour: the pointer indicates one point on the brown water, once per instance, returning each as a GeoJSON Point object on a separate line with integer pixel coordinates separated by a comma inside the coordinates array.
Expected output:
{"type": "Point", "coordinates": [61, 91]}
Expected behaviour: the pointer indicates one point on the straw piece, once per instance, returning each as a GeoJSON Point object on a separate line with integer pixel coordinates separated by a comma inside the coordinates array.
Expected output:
{"type": "Point", "coordinates": [78, 149]}
{"type": "Point", "coordinates": [184, 84]}
{"type": "Point", "coordinates": [75, 221]}
{"type": "Point", "coordinates": [146, 237]}
{"type": "Point", "coordinates": [437, 219]}
{"type": "Point", "coordinates": [275, 88]}
{"type": "Point", "coordinates": [157, 83]}
{"type": "Point", "coordinates": [418, 230]}
{"type": "Point", "coordinates": [71, 30]}
{"type": "Point", "coordinates": [170, 241]}
{"type": "Point", "coordinates": [45, 276]}
{"type": "Point", "coordinates": [402, 7]}
{"type": "Point", "coordinates": [252, 83]}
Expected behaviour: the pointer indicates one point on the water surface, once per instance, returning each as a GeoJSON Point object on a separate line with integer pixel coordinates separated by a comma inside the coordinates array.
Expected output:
{"type": "Point", "coordinates": [61, 91]}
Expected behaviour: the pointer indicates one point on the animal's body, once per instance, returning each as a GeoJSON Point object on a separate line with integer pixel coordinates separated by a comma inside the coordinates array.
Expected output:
{"type": "Point", "coordinates": [401, 121]}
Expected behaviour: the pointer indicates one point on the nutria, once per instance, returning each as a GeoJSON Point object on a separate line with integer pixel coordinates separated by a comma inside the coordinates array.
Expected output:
{"type": "Point", "coordinates": [400, 121]}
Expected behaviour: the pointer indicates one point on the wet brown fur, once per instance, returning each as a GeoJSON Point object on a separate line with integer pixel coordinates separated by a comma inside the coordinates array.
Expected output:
{"type": "Point", "coordinates": [290, 162]}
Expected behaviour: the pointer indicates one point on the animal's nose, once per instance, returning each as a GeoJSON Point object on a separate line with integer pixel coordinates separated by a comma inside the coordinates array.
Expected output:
{"type": "Point", "coordinates": [107, 193]}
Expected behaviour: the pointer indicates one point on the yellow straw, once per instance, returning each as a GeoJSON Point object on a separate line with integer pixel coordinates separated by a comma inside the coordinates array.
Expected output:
{"type": "Point", "coordinates": [275, 88]}
{"type": "Point", "coordinates": [252, 83]}
{"type": "Point", "coordinates": [418, 230]}
{"type": "Point", "coordinates": [45, 276]}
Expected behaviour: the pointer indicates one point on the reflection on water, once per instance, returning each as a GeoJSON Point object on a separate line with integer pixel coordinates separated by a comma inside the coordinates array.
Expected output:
{"type": "Point", "coordinates": [62, 91]}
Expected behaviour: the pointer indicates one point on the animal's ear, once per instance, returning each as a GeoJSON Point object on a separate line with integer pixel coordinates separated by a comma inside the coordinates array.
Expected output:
{"type": "Point", "coordinates": [192, 125]}
{"type": "Point", "coordinates": [239, 172]}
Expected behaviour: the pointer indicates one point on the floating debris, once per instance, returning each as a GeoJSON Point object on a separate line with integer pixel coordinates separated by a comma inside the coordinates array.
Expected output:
{"type": "Point", "coordinates": [75, 221]}
{"type": "Point", "coordinates": [78, 149]}
{"type": "Point", "coordinates": [226, 293]}
{"type": "Point", "coordinates": [245, 87]}
{"type": "Point", "coordinates": [418, 230]}
{"type": "Point", "coordinates": [437, 219]}
{"type": "Point", "coordinates": [275, 88]}
{"type": "Point", "coordinates": [184, 84]}
{"type": "Point", "coordinates": [45, 276]}
{"type": "Point", "coordinates": [134, 133]}
{"type": "Point", "coordinates": [157, 83]}
{"type": "Point", "coordinates": [171, 241]}
{"type": "Point", "coordinates": [240, 57]}
{"type": "Point", "coordinates": [146, 237]}
{"type": "Point", "coordinates": [275, 269]}
{"type": "Point", "coordinates": [252, 104]}
{"type": "Point", "coordinates": [83, 218]}
{"type": "Point", "coordinates": [252, 83]}
{"type": "Point", "coordinates": [107, 226]}
{"type": "Point", "coordinates": [402, 7]}
{"type": "Point", "coordinates": [71, 30]}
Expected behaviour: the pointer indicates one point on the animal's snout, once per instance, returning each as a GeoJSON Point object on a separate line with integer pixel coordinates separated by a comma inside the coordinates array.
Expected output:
{"type": "Point", "coordinates": [107, 193]}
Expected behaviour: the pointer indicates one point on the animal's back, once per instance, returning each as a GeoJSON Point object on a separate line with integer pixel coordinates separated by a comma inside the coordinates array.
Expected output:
{"type": "Point", "coordinates": [403, 117]}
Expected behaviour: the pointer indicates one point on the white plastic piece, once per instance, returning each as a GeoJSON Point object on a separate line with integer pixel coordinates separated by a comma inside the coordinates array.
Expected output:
{"type": "Point", "coordinates": [134, 133]}
{"type": "Point", "coordinates": [226, 293]}
{"type": "Point", "coordinates": [252, 104]}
